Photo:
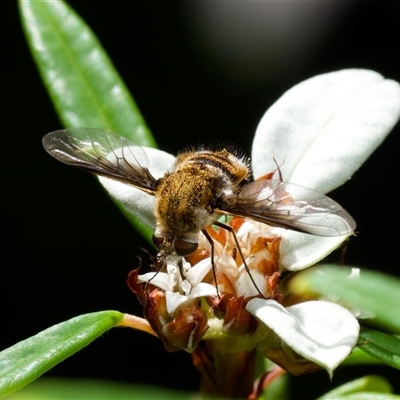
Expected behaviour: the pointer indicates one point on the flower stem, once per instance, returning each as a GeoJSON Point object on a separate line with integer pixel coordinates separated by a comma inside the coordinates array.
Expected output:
{"type": "Point", "coordinates": [131, 321]}
{"type": "Point", "coordinates": [225, 373]}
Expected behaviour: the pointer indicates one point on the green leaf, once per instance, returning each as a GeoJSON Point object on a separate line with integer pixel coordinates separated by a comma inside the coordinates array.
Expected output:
{"type": "Point", "coordinates": [372, 383]}
{"type": "Point", "coordinates": [27, 360]}
{"type": "Point", "coordinates": [358, 357]}
{"type": "Point", "coordinates": [368, 396]}
{"type": "Point", "coordinates": [382, 346]}
{"type": "Point", "coordinates": [373, 293]}
{"type": "Point", "coordinates": [85, 88]}
{"type": "Point", "coordinates": [67, 389]}
{"type": "Point", "coordinates": [81, 80]}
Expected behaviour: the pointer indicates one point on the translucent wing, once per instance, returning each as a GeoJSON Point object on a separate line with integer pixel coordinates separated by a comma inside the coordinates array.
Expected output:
{"type": "Point", "coordinates": [103, 153]}
{"type": "Point", "coordinates": [289, 206]}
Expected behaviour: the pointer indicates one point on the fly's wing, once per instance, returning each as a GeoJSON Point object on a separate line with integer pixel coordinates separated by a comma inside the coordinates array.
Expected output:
{"type": "Point", "coordinates": [102, 153]}
{"type": "Point", "coordinates": [289, 206]}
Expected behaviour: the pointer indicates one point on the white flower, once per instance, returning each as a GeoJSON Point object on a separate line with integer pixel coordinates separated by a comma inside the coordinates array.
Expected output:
{"type": "Point", "coordinates": [319, 331]}
{"type": "Point", "coordinates": [324, 129]}
{"type": "Point", "coordinates": [319, 132]}
{"type": "Point", "coordinates": [181, 286]}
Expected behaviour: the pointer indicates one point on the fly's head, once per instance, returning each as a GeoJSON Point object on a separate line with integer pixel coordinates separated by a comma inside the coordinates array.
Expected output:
{"type": "Point", "coordinates": [168, 244]}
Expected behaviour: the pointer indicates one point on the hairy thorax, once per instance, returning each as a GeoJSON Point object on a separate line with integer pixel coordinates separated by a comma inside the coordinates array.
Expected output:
{"type": "Point", "coordinates": [184, 201]}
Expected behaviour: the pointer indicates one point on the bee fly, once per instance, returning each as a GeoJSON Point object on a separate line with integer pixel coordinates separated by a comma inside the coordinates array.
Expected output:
{"type": "Point", "coordinates": [203, 185]}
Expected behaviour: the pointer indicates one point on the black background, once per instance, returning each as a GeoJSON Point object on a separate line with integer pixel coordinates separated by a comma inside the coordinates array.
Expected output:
{"type": "Point", "coordinates": [67, 250]}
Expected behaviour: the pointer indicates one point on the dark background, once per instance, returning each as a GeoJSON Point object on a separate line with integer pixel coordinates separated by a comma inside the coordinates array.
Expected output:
{"type": "Point", "coordinates": [198, 71]}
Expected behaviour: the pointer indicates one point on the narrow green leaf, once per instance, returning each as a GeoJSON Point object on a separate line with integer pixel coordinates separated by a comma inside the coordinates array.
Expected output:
{"type": "Point", "coordinates": [85, 88]}
{"type": "Point", "coordinates": [373, 396]}
{"type": "Point", "coordinates": [371, 383]}
{"type": "Point", "coordinates": [358, 357]}
{"type": "Point", "coordinates": [81, 80]}
{"type": "Point", "coordinates": [67, 389]}
{"type": "Point", "coordinates": [382, 346]}
{"type": "Point", "coordinates": [372, 293]}
{"type": "Point", "coordinates": [27, 360]}
{"type": "Point", "coordinates": [367, 396]}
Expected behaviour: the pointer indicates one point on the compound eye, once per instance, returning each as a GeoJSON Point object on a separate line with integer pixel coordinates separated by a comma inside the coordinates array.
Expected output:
{"type": "Point", "coordinates": [184, 248]}
{"type": "Point", "coordinates": [158, 240]}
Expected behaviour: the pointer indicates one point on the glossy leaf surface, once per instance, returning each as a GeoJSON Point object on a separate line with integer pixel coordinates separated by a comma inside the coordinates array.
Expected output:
{"type": "Point", "coordinates": [27, 360]}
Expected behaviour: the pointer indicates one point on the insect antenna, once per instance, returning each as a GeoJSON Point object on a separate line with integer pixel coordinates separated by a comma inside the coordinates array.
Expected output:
{"type": "Point", "coordinates": [157, 262]}
{"type": "Point", "coordinates": [233, 233]}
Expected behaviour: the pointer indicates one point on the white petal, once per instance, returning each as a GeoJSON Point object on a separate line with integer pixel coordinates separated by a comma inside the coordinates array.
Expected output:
{"type": "Point", "coordinates": [199, 271]}
{"type": "Point", "coordinates": [173, 300]}
{"type": "Point", "coordinates": [320, 331]}
{"type": "Point", "coordinates": [203, 289]}
{"type": "Point", "coordinates": [186, 287]}
{"type": "Point", "coordinates": [247, 227]}
{"type": "Point", "coordinates": [299, 251]}
{"type": "Point", "coordinates": [244, 285]}
{"type": "Point", "coordinates": [159, 279]}
{"type": "Point", "coordinates": [134, 200]}
{"type": "Point", "coordinates": [323, 129]}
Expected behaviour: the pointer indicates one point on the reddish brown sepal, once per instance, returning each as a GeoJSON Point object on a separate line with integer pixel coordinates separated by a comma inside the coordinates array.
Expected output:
{"type": "Point", "coordinates": [155, 311]}
{"type": "Point", "coordinates": [183, 330]}
{"type": "Point", "coordinates": [273, 291]}
{"type": "Point", "coordinates": [237, 320]}
{"type": "Point", "coordinates": [136, 286]}
{"type": "Point", "coordinates": [187, 329]}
